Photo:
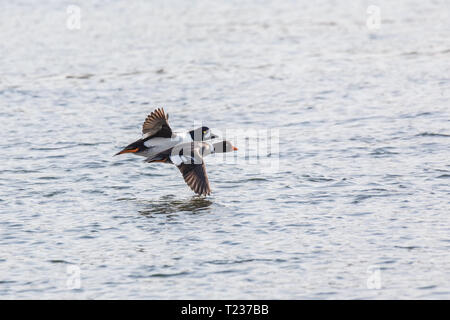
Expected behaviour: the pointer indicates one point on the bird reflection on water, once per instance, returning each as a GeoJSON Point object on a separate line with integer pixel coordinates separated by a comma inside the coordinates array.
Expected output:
{"type": "Point", "coordinates": [169, 205]}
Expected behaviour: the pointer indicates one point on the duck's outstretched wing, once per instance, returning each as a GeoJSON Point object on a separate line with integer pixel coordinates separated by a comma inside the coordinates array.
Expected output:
{"type": "Point", "coordinates": [157, 125]}
{"type": "Point", "coordinates": [188, 160]}
{"type": "Point", "coordinates": [196, 178]}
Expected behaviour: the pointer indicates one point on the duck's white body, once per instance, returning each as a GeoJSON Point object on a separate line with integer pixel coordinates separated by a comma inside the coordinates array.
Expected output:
{"type": "Point", "coordinates": [158, 144]}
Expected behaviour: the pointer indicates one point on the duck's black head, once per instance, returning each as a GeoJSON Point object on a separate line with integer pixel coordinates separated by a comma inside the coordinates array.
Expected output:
{"type": "Point", "coordinates": [202, 133]}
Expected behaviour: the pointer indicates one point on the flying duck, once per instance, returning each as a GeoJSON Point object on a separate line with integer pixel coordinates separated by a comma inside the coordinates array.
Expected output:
{"type": "Point", "coordinates": [157, 136]}
{"type": "Point", "coordinates": [185, 150]}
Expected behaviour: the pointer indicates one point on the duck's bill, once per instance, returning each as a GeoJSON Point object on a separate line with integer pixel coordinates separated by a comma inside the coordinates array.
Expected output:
{"type": "Point", "coordinates": [235, 149]}
{"type": "Point", "coordinates": [127, 151]}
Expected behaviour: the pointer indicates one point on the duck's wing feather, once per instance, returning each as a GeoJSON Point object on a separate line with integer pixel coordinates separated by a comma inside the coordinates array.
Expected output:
{"type": "Point", "coordinates": [157, 125]}
{"type": "Point", "coordinates": [196, 178]}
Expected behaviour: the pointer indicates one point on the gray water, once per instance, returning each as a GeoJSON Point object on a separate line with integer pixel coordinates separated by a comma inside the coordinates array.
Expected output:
{"type": "Point", "coordinates": [357, 207]}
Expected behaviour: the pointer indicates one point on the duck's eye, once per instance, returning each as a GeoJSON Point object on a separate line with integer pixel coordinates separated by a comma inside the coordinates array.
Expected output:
{"type": "Point", "coordinates": [204, 131]}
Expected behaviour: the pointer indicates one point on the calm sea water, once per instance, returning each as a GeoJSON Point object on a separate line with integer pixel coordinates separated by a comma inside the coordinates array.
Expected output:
{"type": "Point", "coordinates": [357, 208]}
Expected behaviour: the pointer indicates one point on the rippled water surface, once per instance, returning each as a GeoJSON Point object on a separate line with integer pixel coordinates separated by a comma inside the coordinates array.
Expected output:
{"type": "Point", "coordinates": [357, 208]}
